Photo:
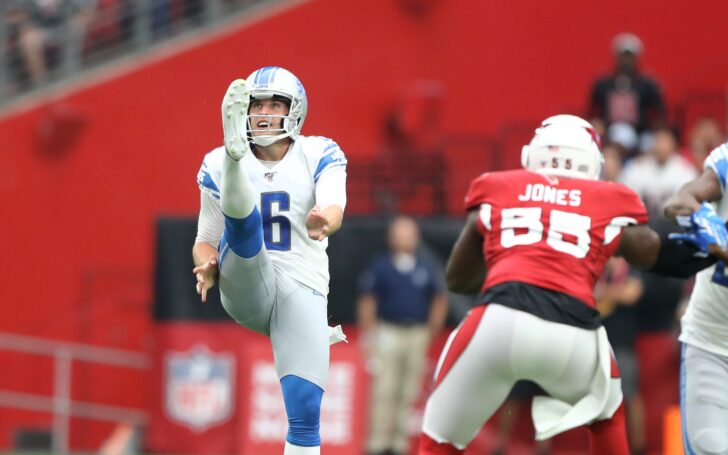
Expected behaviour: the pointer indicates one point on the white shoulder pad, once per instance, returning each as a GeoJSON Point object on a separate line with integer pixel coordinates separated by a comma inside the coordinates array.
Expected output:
{"type": "Point", "coordinates": [208, 178]}
{"type": "Point", "coordinates": [718, 161]}
{"type": "Point", "coordinates": [322, 153]}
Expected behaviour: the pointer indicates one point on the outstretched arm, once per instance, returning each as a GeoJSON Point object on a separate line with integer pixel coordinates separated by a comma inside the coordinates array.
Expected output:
{"type": "Point", "coordinates": [688, 198]}
{"type": "Point", "coordinates": [640, 246]}
{"type": "Point", "coordinates": [691, 209]}
{"type": "Point", "coordinates": [644, 248]}
{"type": "Point", "coordinates": [465, 270]}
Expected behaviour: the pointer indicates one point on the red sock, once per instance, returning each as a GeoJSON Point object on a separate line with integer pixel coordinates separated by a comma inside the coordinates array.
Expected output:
{"type": "Point", "coordinates": [609, 437]}
{"type": "Point", "coordinates": [429, 447]}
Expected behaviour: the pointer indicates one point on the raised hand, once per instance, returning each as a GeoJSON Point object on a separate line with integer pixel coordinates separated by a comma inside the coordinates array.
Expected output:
{"type": "Point", "coordinates": [317, 224]}
{"type": "Point", "coordinates": [205, 274]}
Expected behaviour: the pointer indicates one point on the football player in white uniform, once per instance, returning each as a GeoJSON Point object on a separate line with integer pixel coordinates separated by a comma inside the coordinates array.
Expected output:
{"type": "Point", "coordinates": [704, 332]}
{"type": "Point", "coordinates": [269, 199]}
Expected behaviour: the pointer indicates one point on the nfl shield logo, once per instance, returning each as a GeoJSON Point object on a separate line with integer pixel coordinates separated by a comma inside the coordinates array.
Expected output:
{"type": "Point", "coordinates": [199, 387]}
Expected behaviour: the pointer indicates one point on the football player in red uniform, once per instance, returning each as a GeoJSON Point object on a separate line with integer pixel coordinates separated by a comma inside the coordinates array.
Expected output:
{"type": "Point", "coordinates": [543, 234]}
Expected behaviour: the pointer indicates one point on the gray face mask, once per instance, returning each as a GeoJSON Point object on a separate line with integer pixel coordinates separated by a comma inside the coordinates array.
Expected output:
{"type": "Point", "coordinates": [259, 126]}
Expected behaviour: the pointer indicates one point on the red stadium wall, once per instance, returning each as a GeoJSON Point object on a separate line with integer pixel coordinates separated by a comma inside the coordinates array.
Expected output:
{"type": "Point", "coordinates": [79, 219]}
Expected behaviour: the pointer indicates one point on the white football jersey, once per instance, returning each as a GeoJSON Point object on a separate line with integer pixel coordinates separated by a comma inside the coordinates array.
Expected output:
{"type": "Point", "coordinates": [705, 324]}
{"type": "Point", "coordinates": [287, 192]}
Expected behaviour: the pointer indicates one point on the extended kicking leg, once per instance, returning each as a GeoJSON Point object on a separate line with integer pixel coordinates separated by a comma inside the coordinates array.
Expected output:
{"type": "Point", "coordinates": [243, 224]}
{"type": "Point", "coordinates": [247, 282]}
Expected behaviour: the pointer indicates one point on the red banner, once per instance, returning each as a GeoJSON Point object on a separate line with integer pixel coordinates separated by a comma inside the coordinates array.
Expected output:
{"type": "Point", "coordinates": [217, 392]}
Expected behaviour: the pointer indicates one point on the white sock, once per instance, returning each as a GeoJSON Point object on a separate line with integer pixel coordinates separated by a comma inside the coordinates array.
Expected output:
{"type": "Point", "coordinates": [237, 196]}
{"type": "Point", "coordinates": [298, 450]}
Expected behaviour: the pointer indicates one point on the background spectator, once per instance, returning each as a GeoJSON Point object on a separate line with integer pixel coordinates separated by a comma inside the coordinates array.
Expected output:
{"type": "Point", "coordinates": [401, 307]}
{"type": "Point", "coordinates": [627, 96]}
{"type": "Point", "coordinates": [657, 175]}
{"type": "Point", "coordinates": [45, 28]}
{"type": "Point", "coordinates": [704, 136]}
{"type": "Point", "coordinates": [624, 136]}
{"type": "Point", "coordinates": [613, 158]}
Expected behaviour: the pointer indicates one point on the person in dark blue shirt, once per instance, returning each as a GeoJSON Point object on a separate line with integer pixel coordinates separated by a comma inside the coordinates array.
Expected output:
{"type": "Point", "coordinates": [402, 305]}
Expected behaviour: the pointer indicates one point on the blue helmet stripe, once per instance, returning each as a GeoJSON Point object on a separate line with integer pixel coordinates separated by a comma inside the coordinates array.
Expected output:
{"type": "Point", "coordinates": [265, 76]}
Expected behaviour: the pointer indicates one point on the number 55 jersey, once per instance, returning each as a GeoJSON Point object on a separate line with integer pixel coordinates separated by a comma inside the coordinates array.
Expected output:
{"type": "Point", "coordinates": [543, 233]}
{"type": "Point", "coordinates": [705, 324]}
{"type": "Point", "coordinates": [313, 171]}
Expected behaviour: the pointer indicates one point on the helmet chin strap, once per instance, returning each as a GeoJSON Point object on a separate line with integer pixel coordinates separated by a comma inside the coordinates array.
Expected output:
{"type": "Point", "coordinates": [266, 140]}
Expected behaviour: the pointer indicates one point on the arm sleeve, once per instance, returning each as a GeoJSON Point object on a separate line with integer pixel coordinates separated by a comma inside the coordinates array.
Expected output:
{"type": "Point", "coordinates": [331, 187]}
{"type": "Point", "coordinates": [211, 223]}
{"type": "Point", "coordinates": [678, 259]}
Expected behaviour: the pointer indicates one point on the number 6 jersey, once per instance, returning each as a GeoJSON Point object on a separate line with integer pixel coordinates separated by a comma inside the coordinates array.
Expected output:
{"type": "Point", "coordinates": [552, 233]}
{"type": "Point", "coordinates": [312, 172]}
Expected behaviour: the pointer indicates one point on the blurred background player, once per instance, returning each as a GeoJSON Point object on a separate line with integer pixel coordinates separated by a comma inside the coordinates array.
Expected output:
{"type": "Point", "coordinates": [269, 199]}
{"type": "Point", "coordinates": [704, 363]}
{"type": "Point", "coordinates": [627, 99]}
{"type": "Point", "coordinates": [537, 319]}
{"type": "Point", "coordinates": [401, 308]}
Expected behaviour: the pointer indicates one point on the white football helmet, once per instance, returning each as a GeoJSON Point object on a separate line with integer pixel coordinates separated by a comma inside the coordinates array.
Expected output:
{"type": "Point", "coordinates": [565, 146]}
{"type": "Point", "coordinates": [271, 81]}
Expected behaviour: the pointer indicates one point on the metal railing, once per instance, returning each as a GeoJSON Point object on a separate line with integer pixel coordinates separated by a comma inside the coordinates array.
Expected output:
{"type": "Point", "coordinates": [106, 31]}
{"type": "Point", "coordinates": [60, 404]}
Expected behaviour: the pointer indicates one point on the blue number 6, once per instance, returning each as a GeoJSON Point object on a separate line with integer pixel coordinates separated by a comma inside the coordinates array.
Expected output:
{"type": "Point", "coordinates": [276, 229]}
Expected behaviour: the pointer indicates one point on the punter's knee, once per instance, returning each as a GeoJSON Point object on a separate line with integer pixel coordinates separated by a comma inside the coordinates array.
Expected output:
{"type": "Point", "coordinates": [303, 406]}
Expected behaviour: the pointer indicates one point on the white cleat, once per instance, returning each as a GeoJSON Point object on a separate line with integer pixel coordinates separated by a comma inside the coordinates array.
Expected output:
{"type": "Point", "coordinates": [234, 123]}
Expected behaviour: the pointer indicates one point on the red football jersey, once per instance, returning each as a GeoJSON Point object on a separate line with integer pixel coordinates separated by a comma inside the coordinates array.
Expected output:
{"type": "Point", "coordinates": [551, 232]}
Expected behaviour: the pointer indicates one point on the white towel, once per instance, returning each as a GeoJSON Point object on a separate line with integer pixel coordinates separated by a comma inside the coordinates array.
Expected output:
{"type": "Point", "coordinates": [336, 334]}
{"type": "Point", "coordinates": [552, 416]}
